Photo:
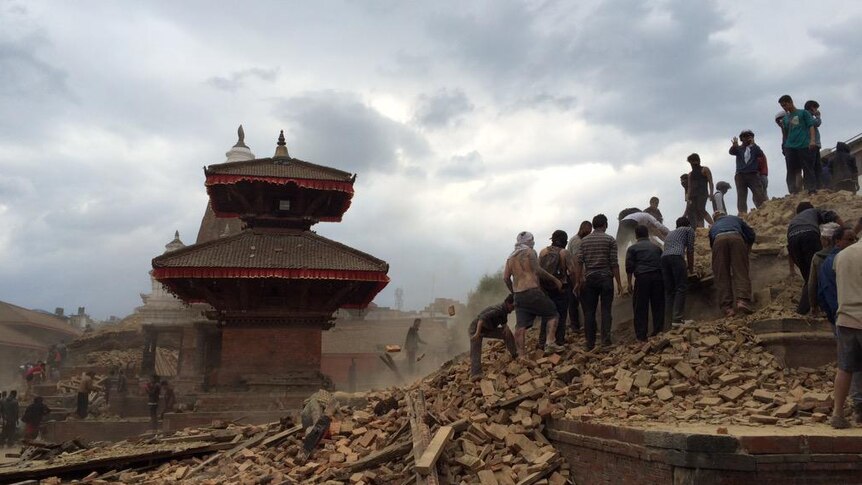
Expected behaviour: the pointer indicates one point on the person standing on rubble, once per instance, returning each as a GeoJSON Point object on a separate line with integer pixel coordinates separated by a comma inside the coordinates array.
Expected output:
{"type": "Point", "coordinates": [718, 204]}
{"type": "Point", "coordinates": [653, 209]}
{"type": "Point", "coordinates": [748, 162]}
{"type": "Point", "coordinates": [351, 375]}
{"type": "Point", "coordinates": [411, 344]}
{"type": "Point", "coordinates": [848, 324]}
{"type": "Point", "coordinates": [731, 239]}
{"type": "Point", "coordinates": [844, 174]}
{"type": "Point", "coordinates": [85, 387]}
{"type": "Point", "coordinates": [803, 241]}
{"type": "Point", "coordinates": [813, 286]}
{"type": "Point", "coordinates": [700, 187]}
{"type": "Point", "coordinates": [153, 391]}
{"type": "Point", "coordinates": [557, 261]}
{"type": "Point", "coordinates": [678, 250]}
{"type": "Point", "coordinates": [573, 247]}
{"type": "Point", "coordinates": [813, 107]}
{"type": "Point", "coordinates": [492, 322]}
{"type": "Point", "coordinates": [10, 419]}
{"type": "Point", "coordinates": [643, 261]}
{"type": "Point", "coordinates": [597, 269]}
{"type": "Point", "coordinates": [522, 275]}
{"type": "Point", "coordinates": [799, 142]}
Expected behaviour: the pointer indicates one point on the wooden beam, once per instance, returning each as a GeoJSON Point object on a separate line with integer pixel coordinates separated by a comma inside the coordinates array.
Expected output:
{"type": "Point", "coordinates": [428, 460]}
{"type": "Point", "coordinates": [421, 434]}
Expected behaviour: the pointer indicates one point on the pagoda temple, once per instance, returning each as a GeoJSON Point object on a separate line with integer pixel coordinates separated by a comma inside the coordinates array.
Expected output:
{"type": "Point", "coordinates": [275, 285]}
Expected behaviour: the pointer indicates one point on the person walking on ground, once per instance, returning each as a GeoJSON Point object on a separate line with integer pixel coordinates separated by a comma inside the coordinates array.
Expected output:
{"type": "Point", "coordinates": [491, 323]}
{"type": "Point", "coordinates": [813, 107]}
{"type": "Point", "coordinates": [597, 269]}
{"type": "Point", "coordinates": [411, 345]}
{"type": "Point", "coordinates": [33, 416]}
{"type": "Point", "coordinates": [803, 241]}
{"type": "Point", "coordinates": [153, 391]}
{"type": "Point", "coordinates": [813, 286]}
{"type": "Point", "coordinates": [10, 419]}
{"type": "Point", "coordinates": [747, 176]}
{"type": "Point", "coordinates": [557, 261]}
{"type": "Point", "coordinates": [584, 230]}
{"type": "Point", "coordinates": [677, 261]}
{"type": "Point", "coordinates": [844, 174]}
{"type": "Point", "coordinates": [800, 145]}
{"type": "Point", "coordinates": [522, 275]}
{"type": "Point", "coordinates": [731, 239]}
{"type": "Point", "coordinates": [700, 187]}
{"type": "Point", "coordinates": [643, 261]}
{"type": "Point", "coordinates": [85, 387]}
{"type": "Point", "coordinates": [653, 209]}
{"type": "Point", "coordinates": [631, 218]}
{"type": "Point", "coordinates": [718, 198]}
{"type": "Point", "coordinates": [848, 324]}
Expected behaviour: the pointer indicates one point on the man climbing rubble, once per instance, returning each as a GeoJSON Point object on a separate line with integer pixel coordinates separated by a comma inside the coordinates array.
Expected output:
{"type": "Point", "coordinates": [731, 239]}
{"type": "Point", "coordinates": [522, 275]}
{"type": "Point", "coordinates": [848, 323]}
{"type": "Point", "coordinates": [677, 261]}
{"type": "Point", "coordinates": [490, 323]}
{"type": "Point", "coordinates": [557, 261]}
{"type": "Point", "coordinates": [803, 242]}
{"type": "Point", "coordinates": [411, 345]}
{"type": "Point", "coordinates": [631, 218]}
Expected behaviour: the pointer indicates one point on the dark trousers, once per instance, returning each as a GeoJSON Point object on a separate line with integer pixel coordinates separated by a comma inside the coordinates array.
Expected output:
{"type": "Point", "coordinates": [648, 294]}
{"type": "Point", "coordinates": [154, 415]}
{"type": "Point", "coordinates": [561, 301]}
{"type": "Point", "coordinates": [745, 182]}
{"type": "Point", "coordinates": [802, 248]}
{"type": "Point", "coordinates": [9, 431]}
{"type": "Point", "coordinates": [597, 287]}
{"type": "Point", "coordinates": [83, 403]}
{"type": "Point", "coordinates": [574, 311]}
{"type": "Point", "coordinates": [800, 160]}
{"type": "Point", "coordinates": [674, 274]}
{"type": "Point", "coordinates": [411, 361]}
{"type": "Point", "coordinates": [730, 267]}
{"type": "Point", "coordinates": [502, 333]}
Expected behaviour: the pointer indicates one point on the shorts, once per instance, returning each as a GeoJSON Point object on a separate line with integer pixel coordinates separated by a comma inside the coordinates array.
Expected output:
{"type": "Point", "coordinates": [530, 304]}
{"type": "Point", "coordinates": [849, 349]}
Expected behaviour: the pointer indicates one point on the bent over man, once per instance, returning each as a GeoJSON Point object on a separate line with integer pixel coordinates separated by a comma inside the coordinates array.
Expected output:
{"type": "Point", "coordinates": [491, 323]}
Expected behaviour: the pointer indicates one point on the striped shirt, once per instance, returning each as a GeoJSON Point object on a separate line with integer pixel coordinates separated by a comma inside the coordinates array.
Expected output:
{"type": "Point", "coordinates": [679, 241]}
{"type": "Point", "coordinates": [598, 254]}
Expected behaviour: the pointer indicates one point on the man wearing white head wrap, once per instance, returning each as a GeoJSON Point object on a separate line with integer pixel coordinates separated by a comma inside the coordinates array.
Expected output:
{"type": "Point", "coordinates": [522, 274]}
{"type": "Point", "coordinates": [826, 231]}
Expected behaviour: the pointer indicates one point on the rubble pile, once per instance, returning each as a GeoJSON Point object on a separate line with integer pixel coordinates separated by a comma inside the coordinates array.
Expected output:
{"type": "Point", "coordinates": [129, 359]}
{"type": "Point", "coordinates": [771, 219]}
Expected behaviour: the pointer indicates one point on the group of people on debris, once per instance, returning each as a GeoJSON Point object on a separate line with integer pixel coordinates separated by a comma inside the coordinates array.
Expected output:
{"type": "Point", "coordinates": [32, 418]}
{"type": "Point", "coordinates": [584, 271]}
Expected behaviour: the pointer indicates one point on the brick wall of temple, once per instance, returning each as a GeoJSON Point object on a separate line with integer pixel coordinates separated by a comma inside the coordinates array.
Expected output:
{"type": "Point", "coordinates": [268, 350]}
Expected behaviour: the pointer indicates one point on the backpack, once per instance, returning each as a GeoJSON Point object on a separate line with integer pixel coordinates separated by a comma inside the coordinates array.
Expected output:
{"type": "Point", "coordinates": [552, 263]}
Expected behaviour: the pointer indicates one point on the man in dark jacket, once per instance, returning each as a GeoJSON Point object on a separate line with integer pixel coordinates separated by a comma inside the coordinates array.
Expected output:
{"type": "Point", "coordinates": [33, 416]}
{"type": "Point", "coordinates": [643, 261]}
{"type": "Point", "coordinates": [803, 242]}
{"type": "Point", "coordinates": [10, 419]}
{"type": "Point", "coordinates": [747, 171]}
{"type": "Point", "coordinates": [731, 239]}
{"type": "Point", "coordinates": [844, 172]}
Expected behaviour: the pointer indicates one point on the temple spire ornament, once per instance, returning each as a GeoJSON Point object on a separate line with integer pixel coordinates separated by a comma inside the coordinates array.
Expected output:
{"type": "Point", "coordinates": [240, 134]}
{"type": "Point", "coordinates": [281, 149]}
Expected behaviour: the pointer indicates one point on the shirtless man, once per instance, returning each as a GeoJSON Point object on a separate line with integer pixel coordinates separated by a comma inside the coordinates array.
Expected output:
{"type": "Point", "coordinates": [522, 274]}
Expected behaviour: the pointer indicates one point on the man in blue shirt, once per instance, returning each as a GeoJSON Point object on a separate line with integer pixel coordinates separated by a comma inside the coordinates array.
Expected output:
{"type": "Point", "coordinates": [730, 239]}
{"type": "Point", "coordinates": [799, 141]}
{"type": "Point", "coordinates": [747, 176]}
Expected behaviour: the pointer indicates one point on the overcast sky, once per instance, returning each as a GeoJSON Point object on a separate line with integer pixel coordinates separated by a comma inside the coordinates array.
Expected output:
{"type": "Point", "coordinates": [465, 122]}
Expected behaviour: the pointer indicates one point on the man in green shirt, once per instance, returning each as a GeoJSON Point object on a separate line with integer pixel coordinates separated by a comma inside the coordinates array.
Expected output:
{"type": "Point", "coordinates": [799, 141]}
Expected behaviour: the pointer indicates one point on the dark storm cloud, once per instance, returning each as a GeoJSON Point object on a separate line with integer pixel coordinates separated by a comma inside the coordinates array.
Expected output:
{"type": "Point", "coordinates": [236, 80]}
{"type": "Point", "coordinates": [338, 129]}
{"type": "Point", "coordinates": [441, 109]}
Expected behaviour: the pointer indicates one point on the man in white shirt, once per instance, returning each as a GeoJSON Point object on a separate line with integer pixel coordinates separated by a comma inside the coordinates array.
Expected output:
{"type": "Point", "coordinates": [629, 219]}
{"type": "Point", "coordinates": [848, 326]}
